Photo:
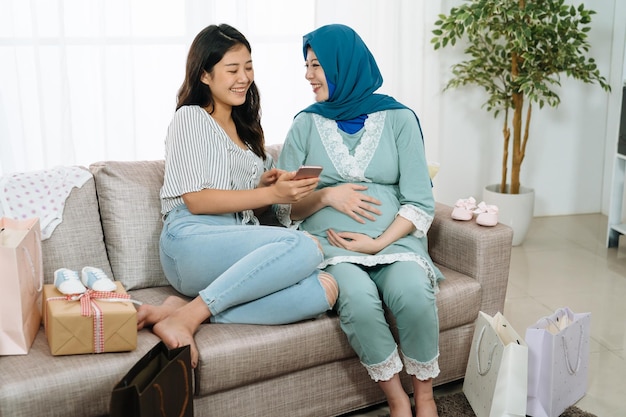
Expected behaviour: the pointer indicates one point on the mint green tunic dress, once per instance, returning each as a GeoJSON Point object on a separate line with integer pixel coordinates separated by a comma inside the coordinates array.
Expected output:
{"type": "Point", "coordinates": [387, 156]}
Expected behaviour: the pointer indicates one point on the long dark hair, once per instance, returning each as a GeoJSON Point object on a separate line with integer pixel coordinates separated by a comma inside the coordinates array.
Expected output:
{"type": "Point", "coordinates": [207, 49]}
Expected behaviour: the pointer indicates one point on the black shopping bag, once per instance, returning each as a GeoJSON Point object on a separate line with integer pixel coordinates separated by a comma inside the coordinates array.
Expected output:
{"type": "Point", "coordinates": [158, 385]}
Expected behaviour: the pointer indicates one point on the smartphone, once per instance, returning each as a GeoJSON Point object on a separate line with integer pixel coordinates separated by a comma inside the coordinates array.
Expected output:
{"type": "Point", "coordinates": [308, 171]}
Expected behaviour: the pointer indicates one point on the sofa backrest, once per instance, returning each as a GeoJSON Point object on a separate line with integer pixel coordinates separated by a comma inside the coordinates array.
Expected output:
{"type": "Point", "coordinates": [78, 241]}
{"type": "Point", "coordinates": [114, 222]}
{"type": "Point", "coordinates": [130, 211]}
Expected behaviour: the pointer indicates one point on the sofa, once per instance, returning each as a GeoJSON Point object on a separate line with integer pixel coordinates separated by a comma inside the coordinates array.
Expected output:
{"type": "Point", "coordinates": [304, 369]}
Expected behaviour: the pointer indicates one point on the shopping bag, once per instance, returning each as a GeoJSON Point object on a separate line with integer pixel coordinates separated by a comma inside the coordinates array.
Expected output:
{"type": "Point", "coordinates": [21, 282]}
{"type": "Point", "coordinates": [158, 385]}
{"type": "Point", "coordinates": [497, 369]}
{"type": "Point", "coordinates": [558, 358]}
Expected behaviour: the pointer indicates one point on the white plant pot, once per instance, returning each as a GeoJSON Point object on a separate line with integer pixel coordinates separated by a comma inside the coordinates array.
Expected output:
{"type": "Point", "coordinates": [514, 210]}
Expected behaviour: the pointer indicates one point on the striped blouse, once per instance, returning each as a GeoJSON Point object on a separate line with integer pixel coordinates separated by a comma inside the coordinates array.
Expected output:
{"type": "Point", "coordinates": [199, 154]}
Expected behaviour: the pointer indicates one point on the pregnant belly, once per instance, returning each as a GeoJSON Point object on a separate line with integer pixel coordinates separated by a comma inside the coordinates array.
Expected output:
{"type": "Point", "coordinates": [329, 218]}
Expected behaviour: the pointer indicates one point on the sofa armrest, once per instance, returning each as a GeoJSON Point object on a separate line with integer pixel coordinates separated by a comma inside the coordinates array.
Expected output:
{"type": "Point", "coordinates": [483, 253]}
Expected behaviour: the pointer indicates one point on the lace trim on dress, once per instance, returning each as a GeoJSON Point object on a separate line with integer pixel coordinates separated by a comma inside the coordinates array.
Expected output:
{"type": "Point", "coordinates": [421, 370]}
{"type": "Point", "coordinates": [351, 167]}
{"type": "Point", "coordinates": [248, 218]}
{"type": "Point", "coordinates": [372, 260]}
{"type": "Point", "coordinates": [385, 370]}
{"type": "Point", "coordinates": [418, 217]}
{"type": "Point", "coordinates": [283, 214]}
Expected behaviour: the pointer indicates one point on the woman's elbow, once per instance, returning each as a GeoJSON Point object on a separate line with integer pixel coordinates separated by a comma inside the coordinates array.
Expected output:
{"type": "Point", "coordinates": [192, 203]}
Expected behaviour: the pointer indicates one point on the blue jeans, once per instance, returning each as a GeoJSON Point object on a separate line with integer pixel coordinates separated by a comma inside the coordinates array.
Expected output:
{"type": "Point", "coordinates": [245, 274]}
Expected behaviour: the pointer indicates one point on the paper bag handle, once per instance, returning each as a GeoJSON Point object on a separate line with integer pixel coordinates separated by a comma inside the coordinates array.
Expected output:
{"type": "Point", "coordinates": [38, 280]}
{"type": "Point", "coordinates": [159, 390]}
{"type": "Point", "coordinates": [489, 361]}
{"type": "Point", "coordinates": [571, 369]}
{"type": "Point", "coordinates": [562, 320]}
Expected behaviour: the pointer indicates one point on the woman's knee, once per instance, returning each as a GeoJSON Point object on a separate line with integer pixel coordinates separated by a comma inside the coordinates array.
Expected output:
{"type": "Point", "coordinates": [415, 300]}
{"type": "Point", "coordinates": [358, 306]}
{"type": "Point", "coordinates": [314, 239]}
{"type": "Point", "coordinates": [330, 287]}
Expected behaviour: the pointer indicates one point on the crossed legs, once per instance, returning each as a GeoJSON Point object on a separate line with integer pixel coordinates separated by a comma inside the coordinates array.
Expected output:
{"type": "Point", "coordinates": [176, 320]}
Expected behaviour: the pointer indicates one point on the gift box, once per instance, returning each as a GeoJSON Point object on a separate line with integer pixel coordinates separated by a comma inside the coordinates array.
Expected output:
{"type": "Point", "coordinates": [93, 322]}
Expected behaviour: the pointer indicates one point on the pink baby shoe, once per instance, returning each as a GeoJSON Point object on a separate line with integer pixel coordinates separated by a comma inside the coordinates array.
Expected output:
{"type": "Point", "coordinates": [487, 214]}
{"type": "Point", "coordinates": [464, 209]}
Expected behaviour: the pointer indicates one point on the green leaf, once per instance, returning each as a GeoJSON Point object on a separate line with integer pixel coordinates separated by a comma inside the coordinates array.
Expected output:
{"type": "Point", "coordinates": [549, 37]}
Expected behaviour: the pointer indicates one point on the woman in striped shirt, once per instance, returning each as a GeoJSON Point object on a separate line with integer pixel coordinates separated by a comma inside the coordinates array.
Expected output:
{"type": "Point", "coordinates": [218, 179]}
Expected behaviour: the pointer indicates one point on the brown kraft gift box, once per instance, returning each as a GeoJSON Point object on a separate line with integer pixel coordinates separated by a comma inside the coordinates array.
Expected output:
{"type": "Point", "coordinates": [70, 333]}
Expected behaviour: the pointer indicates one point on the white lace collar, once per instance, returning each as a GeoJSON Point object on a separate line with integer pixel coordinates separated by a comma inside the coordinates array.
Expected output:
{"type": "Point", "coordinates": [351, 167]}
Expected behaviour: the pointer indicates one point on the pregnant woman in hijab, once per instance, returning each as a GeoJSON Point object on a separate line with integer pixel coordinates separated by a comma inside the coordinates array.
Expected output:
{"type": "Point", "coordinates": [371, 212]}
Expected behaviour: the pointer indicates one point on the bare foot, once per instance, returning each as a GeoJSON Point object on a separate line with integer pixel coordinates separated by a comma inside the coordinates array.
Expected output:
{"type": "Point", "coordinates": [399, 405]}
{"type": "Point", "coordinates": [178, 328]}
{"type": "Point", "coordinates": [397, 399]}
{"type": "Point", "coordinates": [175, 333]}
{"type": "Point", "coordinates": [148, 315]}
{"type": "Point", "coordinates": [426, 408]}
{"type": "Point", "coordinates": [399, 410]}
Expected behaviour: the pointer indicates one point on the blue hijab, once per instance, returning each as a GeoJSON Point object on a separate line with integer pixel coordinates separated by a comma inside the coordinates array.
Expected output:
{"type": "Point", "coordinates": [352, 76]}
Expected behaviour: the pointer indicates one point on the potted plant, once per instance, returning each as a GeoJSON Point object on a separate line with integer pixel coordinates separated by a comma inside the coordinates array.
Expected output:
{"type": "Point", "coordinates": [517, 51]}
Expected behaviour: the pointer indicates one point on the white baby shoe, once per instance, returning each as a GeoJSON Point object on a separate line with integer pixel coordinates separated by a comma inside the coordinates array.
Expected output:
{"type": "Point", "coordinates": [68, 282]}
{"type": "Point", "coordinates": [97, 280]}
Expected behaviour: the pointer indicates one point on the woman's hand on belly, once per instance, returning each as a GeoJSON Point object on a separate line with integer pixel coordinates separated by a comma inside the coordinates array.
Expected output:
{"type": "Point", "coordinates": [355, 242]}
{"type": "Point", "coordinates": [348, 199]}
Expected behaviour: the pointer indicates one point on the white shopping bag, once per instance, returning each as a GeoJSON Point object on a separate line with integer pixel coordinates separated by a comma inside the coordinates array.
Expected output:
{"type": "Point", "coordinates": [496, 377]}
{"type": "Point", "coordinates": [558, 359]}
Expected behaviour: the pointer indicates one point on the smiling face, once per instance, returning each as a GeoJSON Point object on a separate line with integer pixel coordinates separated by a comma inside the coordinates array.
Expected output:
{"type": "Point", "coordinates": [315, 75]}
{"type": "Point", "coordinates": [230, 78]}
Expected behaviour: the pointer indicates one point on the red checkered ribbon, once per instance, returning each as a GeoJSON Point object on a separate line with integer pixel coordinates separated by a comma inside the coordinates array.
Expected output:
{"type": "Point", "coordinates": [86, 299]}
{"type": "Point", "coordinates": [87, 306]}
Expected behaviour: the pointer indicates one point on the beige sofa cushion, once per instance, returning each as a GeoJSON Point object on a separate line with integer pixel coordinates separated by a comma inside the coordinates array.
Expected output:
{"type": "Point", "coordinates": [39, 384]}
{"type": "Point", "coordinates": [130, 208]}
{"type": "Point", "coordinates": [266, 352]}
{"type": "Point", "coordinates": [77, 241]}
{"type": "Point", "coordinates": [459, 298]}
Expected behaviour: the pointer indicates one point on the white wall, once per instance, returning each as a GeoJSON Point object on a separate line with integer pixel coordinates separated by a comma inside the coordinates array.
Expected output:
{"type": "Point", "coordinates": [617, 66]}
{"type": "Point", "coordinates": [570, 154]}
{"type": "Point", "coordinates": [566, 161]}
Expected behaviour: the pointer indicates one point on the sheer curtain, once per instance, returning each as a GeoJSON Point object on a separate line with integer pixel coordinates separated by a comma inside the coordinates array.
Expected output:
{"type": "Point", "coordinates": [89, 80]}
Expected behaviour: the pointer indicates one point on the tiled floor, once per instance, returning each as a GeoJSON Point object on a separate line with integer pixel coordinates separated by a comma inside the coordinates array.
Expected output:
{"type": "Point", "coordinates": [564, 262]}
